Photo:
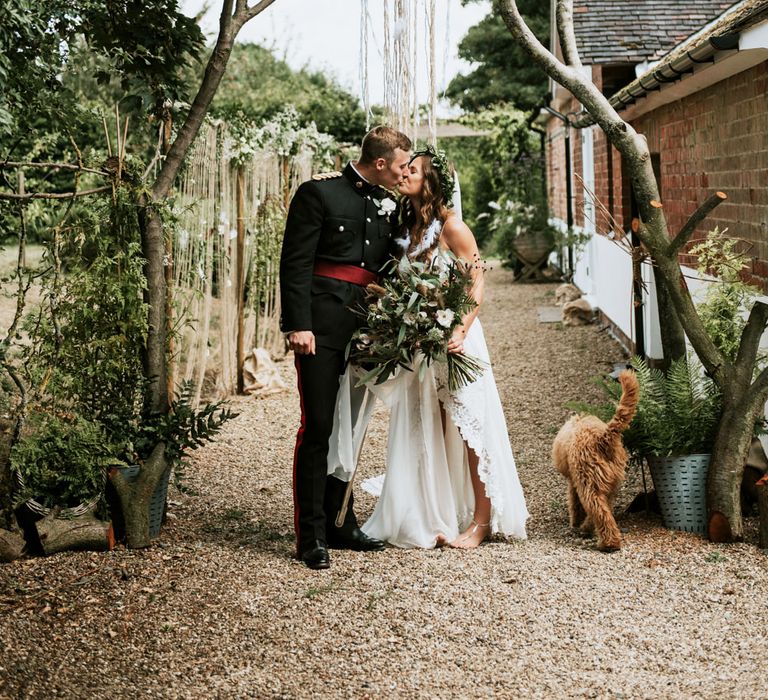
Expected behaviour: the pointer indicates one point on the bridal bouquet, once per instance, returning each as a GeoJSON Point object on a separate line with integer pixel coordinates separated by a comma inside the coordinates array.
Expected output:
{"type": "Point", "coordinates": [415, 310]}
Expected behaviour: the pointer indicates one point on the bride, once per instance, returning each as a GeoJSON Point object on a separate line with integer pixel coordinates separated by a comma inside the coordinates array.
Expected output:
{"type": "Point", "coordinates": [451, 477]}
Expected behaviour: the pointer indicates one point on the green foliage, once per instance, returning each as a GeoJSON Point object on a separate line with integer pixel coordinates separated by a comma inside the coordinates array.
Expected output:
{"type": "Point", "coordinates": [85, 354]}
{"type": "Point", "coordinates": [474, 179]}
{"type": "Point", "coordinates": [149, 44]}
{"type": "Point", "coordinates": [503, 72]}
{"type": "Point", "coordinates": [182, 429]}
{"type": "Point", "coordinates": [146, 45]}
{"type": "Point", "coordinates": [61, 461]}
{"type": "Point", "coordinates": [509, 220]}
{"type": "Point", "coordinates": [728, 297]}
{"type": "Point", "coordinates": [31, 29]}
{"type": "Point", "coordinates": [503, 166]}
{"type": "Point", "coordinates": [259, 86]}
{"type": "Point", "coordinates": [677, 414]}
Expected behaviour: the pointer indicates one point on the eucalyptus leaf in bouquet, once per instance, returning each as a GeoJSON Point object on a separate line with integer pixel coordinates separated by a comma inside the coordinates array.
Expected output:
{"type": "Point", "coordinates": [416, 310]}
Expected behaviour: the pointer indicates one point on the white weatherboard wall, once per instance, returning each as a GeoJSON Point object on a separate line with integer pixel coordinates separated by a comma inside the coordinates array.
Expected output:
{"type": "Point", "coordinates": [584, 259]}
{"type": "Point", "coordinates": [602, 269]}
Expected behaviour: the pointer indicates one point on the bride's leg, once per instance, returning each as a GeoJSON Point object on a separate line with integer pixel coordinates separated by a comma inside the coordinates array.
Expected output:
{"type": "Point", "coordinates": [480, 527]}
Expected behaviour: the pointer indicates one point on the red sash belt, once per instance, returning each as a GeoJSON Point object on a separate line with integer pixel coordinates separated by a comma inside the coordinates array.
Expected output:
{"type": "Point", "coordinates": [347, 273]}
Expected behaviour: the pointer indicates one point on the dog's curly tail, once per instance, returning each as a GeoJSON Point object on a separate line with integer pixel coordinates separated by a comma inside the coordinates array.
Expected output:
{"type": "Point", "coordinates": [630, 395]}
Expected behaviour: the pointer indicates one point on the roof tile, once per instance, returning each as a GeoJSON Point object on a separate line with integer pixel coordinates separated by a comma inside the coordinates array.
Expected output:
{"type": "Point", "coordinates": [607, 31]}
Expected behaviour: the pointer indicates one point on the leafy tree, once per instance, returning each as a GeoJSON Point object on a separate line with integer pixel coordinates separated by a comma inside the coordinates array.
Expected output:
{"type": "Point", "coordinates": [315, 97]}
{"type": "Point", "coordinates": [148, 47]}
{"type": "Point", "coordinates": [504, 71]}
{"type": "Point", "coordinates": [503, 164]}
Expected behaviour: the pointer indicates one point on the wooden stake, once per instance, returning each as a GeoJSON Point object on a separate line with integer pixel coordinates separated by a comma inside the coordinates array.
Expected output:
{"type": "Point", "coordinates": [22, 193]}
{"type": "Point", "coordinates": [762, 507]}
{"type": "Point", "coordinates": [240, 278]}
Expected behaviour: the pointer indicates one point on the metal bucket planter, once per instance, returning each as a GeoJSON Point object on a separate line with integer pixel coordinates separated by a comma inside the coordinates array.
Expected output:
{"type": "Point", "coordinates": [681, 486]}
{"type": "Point", "coordinates": [68, 512]}
{"type": "Point", "coordinates": [157, 504]}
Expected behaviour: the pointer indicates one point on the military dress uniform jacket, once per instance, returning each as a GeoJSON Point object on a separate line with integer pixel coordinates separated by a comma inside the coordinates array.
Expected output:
{"type": "Point", "coordinates": [333, 218]}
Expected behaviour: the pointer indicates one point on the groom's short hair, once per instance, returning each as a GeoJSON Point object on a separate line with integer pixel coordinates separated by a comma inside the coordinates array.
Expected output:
{"type": "Point", "coordinates": [381, 142]}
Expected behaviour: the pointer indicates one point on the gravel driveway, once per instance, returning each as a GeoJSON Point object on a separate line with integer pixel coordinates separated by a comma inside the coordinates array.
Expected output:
{"type": "Point", "coordinates": [219, 609]}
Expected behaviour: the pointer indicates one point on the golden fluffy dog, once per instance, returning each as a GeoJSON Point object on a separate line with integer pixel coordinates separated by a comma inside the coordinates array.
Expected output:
{"type": "Point", "coordinates": [591, 456]}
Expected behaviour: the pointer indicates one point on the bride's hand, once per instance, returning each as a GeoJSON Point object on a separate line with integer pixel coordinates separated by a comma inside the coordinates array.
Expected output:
{"type": "Point", "coordinates": [456, 343]}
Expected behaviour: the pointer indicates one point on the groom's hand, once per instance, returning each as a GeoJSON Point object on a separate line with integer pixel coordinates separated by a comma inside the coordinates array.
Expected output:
{"type": "Point", "coordinates": [302, 342]}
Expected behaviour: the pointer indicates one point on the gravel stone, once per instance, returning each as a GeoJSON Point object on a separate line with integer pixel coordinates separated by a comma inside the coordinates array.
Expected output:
{"type": "Point", "coordinates": [219, 608]}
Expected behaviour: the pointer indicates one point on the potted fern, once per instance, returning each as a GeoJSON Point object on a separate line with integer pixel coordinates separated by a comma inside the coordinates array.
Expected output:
{"type": "Point", "coordinates": [60, 464]}
{"type": "Point", "coordinates": [674, 429]}
{"type": "Point", "coordinates": [679, 410]}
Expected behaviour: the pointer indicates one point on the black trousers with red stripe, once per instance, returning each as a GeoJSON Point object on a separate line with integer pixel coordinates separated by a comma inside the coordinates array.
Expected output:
{"type": "Point", "coordinates": [317, 497]}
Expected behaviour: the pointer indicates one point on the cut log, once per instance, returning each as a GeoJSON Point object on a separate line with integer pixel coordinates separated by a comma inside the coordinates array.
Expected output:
{"type": "Point", "coordinates": [762, 507]}
{"type": "Point", "coordinates": [83, 532]}
{"type": "Point", "coordinates": [11, 545]}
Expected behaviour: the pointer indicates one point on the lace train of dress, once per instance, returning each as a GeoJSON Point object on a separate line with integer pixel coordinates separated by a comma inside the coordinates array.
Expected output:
{"type": "Point", "coordinates": [427, 489]}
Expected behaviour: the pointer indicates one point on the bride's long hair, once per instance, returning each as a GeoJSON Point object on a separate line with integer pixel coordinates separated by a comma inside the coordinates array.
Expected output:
{"type": "Point", "coordinates": [433, 206]}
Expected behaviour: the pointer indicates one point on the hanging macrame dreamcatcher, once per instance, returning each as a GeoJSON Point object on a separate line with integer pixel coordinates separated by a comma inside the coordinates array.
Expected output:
{"type": "Point", "coordinates": [408, 38]}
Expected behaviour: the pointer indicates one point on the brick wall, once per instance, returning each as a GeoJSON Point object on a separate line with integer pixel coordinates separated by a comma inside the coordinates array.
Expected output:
{"type": "Point", "coordinates": [717, 139]}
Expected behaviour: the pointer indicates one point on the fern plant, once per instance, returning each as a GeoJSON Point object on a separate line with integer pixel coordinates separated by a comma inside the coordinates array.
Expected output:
{"type": "Point", "coordinates": [182, 429]}
{"type": "Point", "coordinates": [61, 461]}
{"type": "Point", "coordinates": [677, 414]}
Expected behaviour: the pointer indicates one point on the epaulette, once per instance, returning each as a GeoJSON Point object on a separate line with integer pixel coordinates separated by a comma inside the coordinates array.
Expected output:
{"type": "Point", "coordinates": [327, 176]}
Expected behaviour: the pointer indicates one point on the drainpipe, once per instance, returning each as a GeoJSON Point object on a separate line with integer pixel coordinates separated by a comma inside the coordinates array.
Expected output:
{"type": "Point", "coordinates": [542, 139]}
{"type": "Point", "coordinates": [566, 119]}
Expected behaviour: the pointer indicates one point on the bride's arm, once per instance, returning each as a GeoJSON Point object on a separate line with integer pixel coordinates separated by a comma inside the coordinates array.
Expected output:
{"type": "Point", "coordinates": [461, 242]}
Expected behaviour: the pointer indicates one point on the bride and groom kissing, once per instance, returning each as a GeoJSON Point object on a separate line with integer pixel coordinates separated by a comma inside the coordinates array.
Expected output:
{"type": "Point", "coordinates": [451, 476]}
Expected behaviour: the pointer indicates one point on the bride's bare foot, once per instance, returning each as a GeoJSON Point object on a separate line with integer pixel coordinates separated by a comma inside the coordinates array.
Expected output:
{"type": "Point", "coordinates": [473, 536]}
{"type": "Point", "coordinates": [441, 540]}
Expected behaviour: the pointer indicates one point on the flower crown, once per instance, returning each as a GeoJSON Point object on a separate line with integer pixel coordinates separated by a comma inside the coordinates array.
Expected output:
{"type": "Point", "coordinates": [444, 171]}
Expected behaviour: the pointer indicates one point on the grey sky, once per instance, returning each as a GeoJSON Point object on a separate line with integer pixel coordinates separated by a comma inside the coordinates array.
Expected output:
{"type": "Point", "coordinates": [325, 35]}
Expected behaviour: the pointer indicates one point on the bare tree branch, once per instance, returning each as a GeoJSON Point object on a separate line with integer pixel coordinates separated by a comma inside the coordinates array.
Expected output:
{"type": "Point", "coordinates": [696, 218]}
{"type": "Point", "coordinates": [759, 386]}
{"type": "Point", "coordinates": [566, 34]}
{"type": "Point", "coordinates": [257, 9]}
{"type": "Point", "coordinates": [749, 346]}
{"type": "Point", "coordinates": [52, 195]}
{"type": "Point", "coordinates": [55, 166]}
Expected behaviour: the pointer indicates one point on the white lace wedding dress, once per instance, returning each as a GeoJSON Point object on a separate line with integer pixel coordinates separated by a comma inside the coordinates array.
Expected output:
{"type": "Point", "coordinates": [427, 490]}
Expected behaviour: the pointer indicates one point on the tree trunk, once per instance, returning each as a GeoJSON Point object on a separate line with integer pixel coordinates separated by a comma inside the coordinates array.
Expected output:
{"type": "Point", "coordinates": [135, 496]}
{"type": "Point", "coordinates": [672, 334]}
{"type": "Point", "coordinates": [83, 532]}
{"type": "Point", "coordinates": [726, 469]}
{"type": "Point", "coordinates": [155, 350]}
{"type": "Point", "coordinates": [11, 545]}
{"type": "Point", "coordinates": [762, 507]}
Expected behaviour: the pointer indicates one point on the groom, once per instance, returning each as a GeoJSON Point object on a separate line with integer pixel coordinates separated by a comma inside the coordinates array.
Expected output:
{"type": "Point", "coordinates": [337, 237]}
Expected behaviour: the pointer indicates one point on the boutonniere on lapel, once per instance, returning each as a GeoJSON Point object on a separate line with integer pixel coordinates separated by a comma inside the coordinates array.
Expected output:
{"type": "Point", "coordinates": [386, 207]}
